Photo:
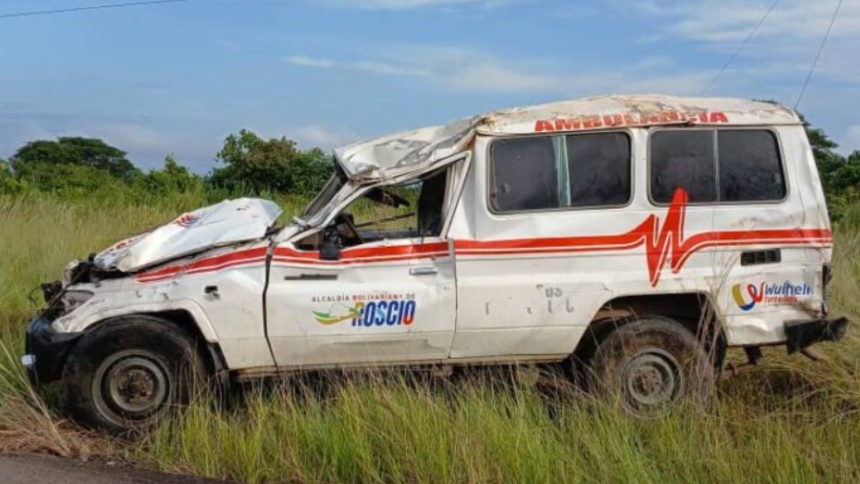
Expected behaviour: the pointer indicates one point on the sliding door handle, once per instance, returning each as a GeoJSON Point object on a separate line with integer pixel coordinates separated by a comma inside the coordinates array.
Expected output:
{"type": "Point", "coordinates": [423, 271]}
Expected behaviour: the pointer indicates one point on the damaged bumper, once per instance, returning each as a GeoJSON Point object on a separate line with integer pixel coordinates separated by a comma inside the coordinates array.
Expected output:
{"type": "Point", "coordinates": [46, 350]}
{"type": "Point", "coordinates": [802, 334]}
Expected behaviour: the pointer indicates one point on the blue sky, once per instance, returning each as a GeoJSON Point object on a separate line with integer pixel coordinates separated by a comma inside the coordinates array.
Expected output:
{"type": "Point", "coordinates": [178, 78]}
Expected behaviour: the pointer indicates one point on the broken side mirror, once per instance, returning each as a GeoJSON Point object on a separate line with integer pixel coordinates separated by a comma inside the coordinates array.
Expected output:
{"type": "Point", "coordinates": [331, 245]}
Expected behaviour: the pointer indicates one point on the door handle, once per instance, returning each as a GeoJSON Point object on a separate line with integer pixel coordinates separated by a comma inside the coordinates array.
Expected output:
{"type": "Point", "coordinates": [312, 277]}
{"type": "Point", "coordinates": [423, 271]}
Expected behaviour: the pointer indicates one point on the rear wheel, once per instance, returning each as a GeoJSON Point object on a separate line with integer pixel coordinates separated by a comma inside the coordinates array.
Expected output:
{"type": "Point", "coordinates": [650, 365]}
{"type": "Point", "coordinates": [127, 374]}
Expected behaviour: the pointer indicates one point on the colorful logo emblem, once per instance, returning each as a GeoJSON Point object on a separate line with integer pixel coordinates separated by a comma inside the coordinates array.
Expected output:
{"type": "Point", "coordinates": [747, 296]}
{"type": "Point", "coordinates": [385, 312]}
{"type": "Point", "coordinates": [347, 312]}
{"type": "Point", "coordinates": [755, 296]}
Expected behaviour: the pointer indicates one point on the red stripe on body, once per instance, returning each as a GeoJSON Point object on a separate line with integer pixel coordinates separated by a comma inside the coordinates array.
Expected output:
{"type": "Point", "coordinates": [662, 244]}
{"type": "Point", "coordinates": [211, 264]}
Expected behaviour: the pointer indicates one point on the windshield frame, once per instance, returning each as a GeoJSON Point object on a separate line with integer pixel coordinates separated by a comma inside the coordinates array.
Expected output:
{"type": "Point", "coordinates": [350, 191]}
{"type": "Point", "coordinates": [332, 187]}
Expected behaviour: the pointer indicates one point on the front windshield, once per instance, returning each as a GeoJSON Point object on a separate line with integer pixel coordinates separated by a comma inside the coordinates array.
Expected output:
{"type": "Point", "coordinates": [331, 188]}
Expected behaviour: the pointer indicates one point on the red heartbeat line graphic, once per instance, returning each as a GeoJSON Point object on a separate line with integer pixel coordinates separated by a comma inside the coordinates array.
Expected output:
{"type": "Point", "coordinates": [669, 244]}
{"type": "Point", "coordinates": [670, 239]}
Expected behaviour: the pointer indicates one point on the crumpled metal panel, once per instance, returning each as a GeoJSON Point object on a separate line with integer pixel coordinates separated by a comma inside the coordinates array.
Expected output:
{"type": "Point", "coordinates": [225, 223]}
{"type": "Point", "coordinates": [397, 154]}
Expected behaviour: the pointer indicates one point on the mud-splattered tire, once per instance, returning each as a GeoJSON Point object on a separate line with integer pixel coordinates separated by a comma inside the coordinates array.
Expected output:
{"type": "Point", "coordinates": [650, 365]}
{"type": "Point", "coordinates": [128, 373]}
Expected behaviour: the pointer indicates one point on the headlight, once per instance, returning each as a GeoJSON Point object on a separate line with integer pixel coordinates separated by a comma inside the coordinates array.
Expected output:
{"type": "Point", "coordinates": [67, 302]}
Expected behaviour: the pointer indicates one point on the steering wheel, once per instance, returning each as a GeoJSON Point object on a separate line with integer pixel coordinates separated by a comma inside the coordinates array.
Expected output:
{"type": "Point", "coordinates": [345, 225]}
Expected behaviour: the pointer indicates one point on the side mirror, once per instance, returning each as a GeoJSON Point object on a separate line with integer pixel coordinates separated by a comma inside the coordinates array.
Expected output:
{"type": "Point", "coordinates": [331, 245]}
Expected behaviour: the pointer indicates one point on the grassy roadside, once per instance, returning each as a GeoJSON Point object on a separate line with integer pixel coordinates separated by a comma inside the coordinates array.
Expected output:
{"type": "Point", "coordinates": [789, 420]}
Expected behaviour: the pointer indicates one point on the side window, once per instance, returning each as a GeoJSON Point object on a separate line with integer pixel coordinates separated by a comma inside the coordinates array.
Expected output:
{"type": "Point", "coordinates": [414, 209]}
{"type": "Point", "coordinates": [683, 159]}
{"type": "Point", "coordinates": [524, 174]}
{"type": "Point", "coordinates": [599, 169]}
{"type": "Point", "coordinates": [551, 172]}
{"type": "Point", "coordinates": [750, 168]}
{"type": "Point", "coordinates": [716, 166]}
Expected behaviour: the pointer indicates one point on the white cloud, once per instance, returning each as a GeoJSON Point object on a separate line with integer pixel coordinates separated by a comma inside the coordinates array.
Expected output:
{"type": "Point", "coordinates": [321, 136]}
{"type": "Point", "coordinates": [451, 67]}
{"type": "Point", "coordinates": [470, 70]}
{"type": "Point", "coordinates": [787, 40]}
{"type": "Point", "coordinates": [732, 20]}
{"type": "Point", "coordinates": [301, 60]}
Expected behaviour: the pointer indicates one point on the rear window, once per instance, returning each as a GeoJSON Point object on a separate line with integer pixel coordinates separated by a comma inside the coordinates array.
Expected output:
{"type": "Point", "coordinates": [716, 166]}
{"type": "Point", "coordinates": [750, 168]}
{"type": "Point", "coordinates": [557, 172]}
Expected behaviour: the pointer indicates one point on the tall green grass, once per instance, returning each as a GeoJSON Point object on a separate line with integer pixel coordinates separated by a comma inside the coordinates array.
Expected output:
{"type": "Point", "coordinates": [790, 420]}
{"type": "Point", "coordinates": [392, 431]}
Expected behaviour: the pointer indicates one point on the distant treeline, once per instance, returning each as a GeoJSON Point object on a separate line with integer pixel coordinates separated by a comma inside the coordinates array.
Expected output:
{"type": "Point", "coordinates": [251, 165]}
{"type": "Point", "coordinates": [247, 165]}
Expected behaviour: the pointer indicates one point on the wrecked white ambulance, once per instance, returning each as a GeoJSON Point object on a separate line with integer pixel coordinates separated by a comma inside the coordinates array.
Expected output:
{"type": "Point", "coordinates": [635, 238]}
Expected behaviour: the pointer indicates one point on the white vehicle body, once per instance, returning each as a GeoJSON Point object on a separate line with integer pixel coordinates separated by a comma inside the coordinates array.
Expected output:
{"type": "Point", "coordinates": [501, 284]}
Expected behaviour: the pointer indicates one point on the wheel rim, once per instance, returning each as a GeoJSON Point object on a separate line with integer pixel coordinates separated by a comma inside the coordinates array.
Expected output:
{"type": "Point", "coordinates": [133, 385]}
{"type": "Point", "coordinates": [652, 379]}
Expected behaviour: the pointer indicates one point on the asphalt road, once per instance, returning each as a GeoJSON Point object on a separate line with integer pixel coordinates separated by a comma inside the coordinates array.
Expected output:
{"type": "Point", "coordinates": [43, 469]}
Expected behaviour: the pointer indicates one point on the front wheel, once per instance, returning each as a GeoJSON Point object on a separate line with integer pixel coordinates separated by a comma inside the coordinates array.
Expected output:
{"type": "Point", "coordinates": [651, 364]}
{"type": "Point", "coordinates": [128, 373]}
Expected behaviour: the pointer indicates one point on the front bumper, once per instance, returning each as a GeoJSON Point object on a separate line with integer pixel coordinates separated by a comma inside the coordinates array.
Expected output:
{"type": "Point", "coordinates": [801, 334]}
{"type": "Point", "coordinates": [46, 350]}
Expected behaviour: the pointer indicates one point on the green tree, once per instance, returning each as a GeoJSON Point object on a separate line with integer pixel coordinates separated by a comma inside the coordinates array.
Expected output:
{"type": "Point", "coordinates": [172, 178]}
{"type": "Point", "coordinates": [274, 165]}
{"type": "Point", "coordinates": [7, 181]}
{"type": "Point", "coordinates": [826, 158]}
{"type": "Point", "coordinates": [43, 161]}
{"type": "Point", "coordinates": [311, 170]}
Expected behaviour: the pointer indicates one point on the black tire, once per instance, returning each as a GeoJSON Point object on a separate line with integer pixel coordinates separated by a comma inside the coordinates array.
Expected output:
{"type": "Point", "coordinates": [129, 372]}
{"type": "Point", "coordinates": [650, 365]}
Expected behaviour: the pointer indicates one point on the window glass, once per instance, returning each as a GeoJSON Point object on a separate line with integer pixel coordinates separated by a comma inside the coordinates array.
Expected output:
{"type": "Point", "coordinates": [747, 161]}
{"type": "Point", "coordinates": [750, 167]}
{"type": "Point", "coordinates": [599, 169]}
{"type": "Point", "coordinates": [550, 172]}
{"type": "Point", "coordinates": [524, 174]}
{"type": "Point", "coordinates": [683, 159]}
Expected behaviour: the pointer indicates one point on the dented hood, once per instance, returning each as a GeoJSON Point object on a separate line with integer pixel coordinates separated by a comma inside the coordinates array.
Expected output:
{"type": "Point", "coordinates": [228, 222]}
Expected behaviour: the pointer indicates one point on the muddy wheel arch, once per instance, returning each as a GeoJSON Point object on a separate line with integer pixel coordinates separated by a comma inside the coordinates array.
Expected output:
{"type": "Point", "coordinates": [694, 311]}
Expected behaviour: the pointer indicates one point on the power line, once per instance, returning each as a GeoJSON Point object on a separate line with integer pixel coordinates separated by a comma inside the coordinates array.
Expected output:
{"type": "Point", "coordinates": [818, 55]}
{"type": "Point", "coordinates": [740, 47]}
{"type": "Point", "coordinates": [87, 8]}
